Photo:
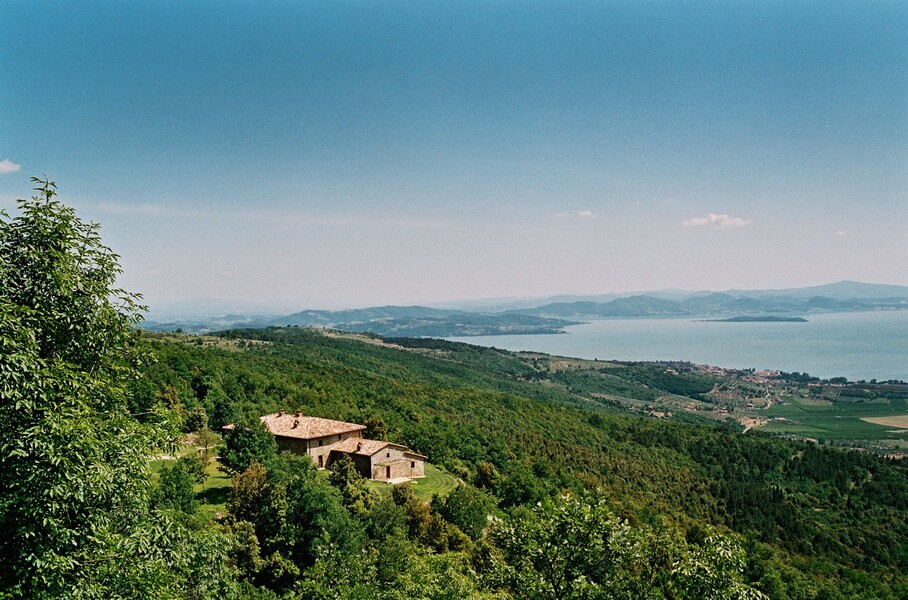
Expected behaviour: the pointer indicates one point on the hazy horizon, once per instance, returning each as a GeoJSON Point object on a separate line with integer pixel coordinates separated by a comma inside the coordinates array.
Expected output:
{"type": "Point", "coordinates": [212, 305]}
{"type": "Point", "coordinates": [371, 153]}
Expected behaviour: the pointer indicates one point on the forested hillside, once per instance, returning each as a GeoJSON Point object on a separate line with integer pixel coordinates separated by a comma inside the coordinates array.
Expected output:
{"type": "Point", "coordinates": [814, 521]}
{"type": "Point", "coordinates": [106, 446]}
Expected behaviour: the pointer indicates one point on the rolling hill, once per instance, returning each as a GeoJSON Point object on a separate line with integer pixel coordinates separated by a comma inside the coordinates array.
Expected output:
{"type": "Point", "coordinates": [524, 427]}
{"type": "Point", "coordinates": [542, 317]}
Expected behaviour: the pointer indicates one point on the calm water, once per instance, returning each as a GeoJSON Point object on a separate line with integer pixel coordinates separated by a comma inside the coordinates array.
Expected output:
{"type": "Point", "coordinates": [871, 345]}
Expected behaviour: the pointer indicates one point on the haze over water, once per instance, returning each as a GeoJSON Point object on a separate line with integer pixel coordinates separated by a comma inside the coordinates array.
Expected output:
{"type": "Point", "coordinates": [868, 345]}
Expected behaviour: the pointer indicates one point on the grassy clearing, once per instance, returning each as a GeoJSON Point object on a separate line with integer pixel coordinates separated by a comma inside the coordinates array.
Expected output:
{"type": "Point", "coordinates": [211, 495]}
{"type": "Point", "coordinates": [210, 341]}
{"type": "Point", "coordinates": [436, 482]}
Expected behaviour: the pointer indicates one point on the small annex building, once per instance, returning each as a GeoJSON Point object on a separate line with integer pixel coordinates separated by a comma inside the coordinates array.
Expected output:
{"type": "Point", "coordinates": [325, 440]}
{"type": "Point", "coordinates": [383, 461]}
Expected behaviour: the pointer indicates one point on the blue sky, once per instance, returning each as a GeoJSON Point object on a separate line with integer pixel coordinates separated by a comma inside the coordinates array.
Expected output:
{"type": "Point", "coordinates": [359, 153]}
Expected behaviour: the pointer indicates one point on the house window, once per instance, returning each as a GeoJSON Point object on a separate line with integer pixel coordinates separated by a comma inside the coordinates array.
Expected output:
{"type": "Point", "coordinates": [320, 443]}
{"type": "Point", "coordinates": [320, 461]}
{"type": "Point", "coordinates": [389, 455]}
{"type": "Point", "coordinates": [412, 464]}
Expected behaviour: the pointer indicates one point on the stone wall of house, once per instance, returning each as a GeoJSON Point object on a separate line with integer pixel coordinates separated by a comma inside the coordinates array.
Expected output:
{"type": "Point", "coordinates": [393, 463]}
{"type": "Point", "coordinates": [320, 448]}
{"type": "Point", "coordinates": [417, 465]}
{"type": "Point", "coordinates": [295, 445]}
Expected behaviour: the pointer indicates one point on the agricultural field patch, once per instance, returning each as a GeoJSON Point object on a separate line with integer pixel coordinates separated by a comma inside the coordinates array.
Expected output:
{"type": "Point", "coordinates": [872, 421]}
{"type": "Point", "coordinates": [829, 428]}
{"type": "Point", "coordinates": [898, 421]}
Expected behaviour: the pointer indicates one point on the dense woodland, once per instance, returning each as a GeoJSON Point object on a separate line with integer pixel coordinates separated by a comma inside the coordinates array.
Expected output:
{"type": "Point", "coordinates": [811, 518]}
{"type": "Point", "coordinates": [562, 495]}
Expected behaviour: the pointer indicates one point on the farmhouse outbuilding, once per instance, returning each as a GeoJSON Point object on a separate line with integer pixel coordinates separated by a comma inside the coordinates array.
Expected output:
{"type": "Point", "coordinates": [381, 460]}
{"type": "Point", "coordinates": [326, 440]}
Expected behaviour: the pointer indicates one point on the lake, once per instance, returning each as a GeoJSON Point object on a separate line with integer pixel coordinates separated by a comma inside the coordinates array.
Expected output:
{"type": "Point", "coordinates": [862, 345]}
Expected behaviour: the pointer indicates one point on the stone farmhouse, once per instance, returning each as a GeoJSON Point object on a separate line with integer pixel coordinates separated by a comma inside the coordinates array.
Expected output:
{"type": "Point", "coordinates": [325, 440]}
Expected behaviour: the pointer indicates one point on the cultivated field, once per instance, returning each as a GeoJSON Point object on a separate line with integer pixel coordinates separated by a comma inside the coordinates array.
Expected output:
{"type": "Point", "coordinates": [871, 421]}
{"type": "Point", "coordinates": [898, 422]}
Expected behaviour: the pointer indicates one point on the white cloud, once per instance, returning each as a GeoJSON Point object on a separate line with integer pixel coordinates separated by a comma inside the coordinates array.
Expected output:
{"type": "Point", "coordinates": [841, 232]}
{"type": "Point", "coordinates": [583, 214]}
{"type": "Point", "coordinates": [714, 221]}
{"type": "Point", "coordinates": [8, 166]}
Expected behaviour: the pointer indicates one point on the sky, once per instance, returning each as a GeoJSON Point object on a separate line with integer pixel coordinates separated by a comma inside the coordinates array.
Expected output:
{"type": "Point", "coordinates": [336, 154]}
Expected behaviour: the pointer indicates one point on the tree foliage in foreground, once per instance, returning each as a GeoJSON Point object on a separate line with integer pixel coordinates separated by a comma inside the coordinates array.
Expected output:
{"type": "Point", "coordinates": [74, 507]}
{"type": "Point", "coordinates": [576, 547]}
{"type": "Point", "coordinates": [247, 442]}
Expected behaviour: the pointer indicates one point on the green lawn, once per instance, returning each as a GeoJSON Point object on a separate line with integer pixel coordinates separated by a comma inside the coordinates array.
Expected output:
{"type": "Point", "coordinates": [211, 495]}
{"type": "Point", "coordinates": [436, 482]}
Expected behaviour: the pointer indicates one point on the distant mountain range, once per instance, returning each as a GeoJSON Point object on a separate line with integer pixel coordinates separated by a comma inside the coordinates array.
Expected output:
{"type": "Point", "coordinates": [547, 316]}
{"type": "Point", "coordinates": [713, 305]}
{"type": "Point", "coordinates": [842, 290]}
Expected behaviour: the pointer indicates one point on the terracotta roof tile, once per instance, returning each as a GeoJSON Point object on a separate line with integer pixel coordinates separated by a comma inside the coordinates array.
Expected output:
{"type": "Point", "coordinates": [360, 446]}
{"type": "Point", "coordinates": [366, 447]}
{"type": "Point", "coordinates": [306, 428]}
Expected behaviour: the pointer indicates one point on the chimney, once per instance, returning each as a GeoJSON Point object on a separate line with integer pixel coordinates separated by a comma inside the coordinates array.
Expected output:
{"type": "Point", "coordinates": [280, 413]}
{"type": "Point", "coordinates": [295, 423]}
{"type": "Point", "coordinates": [359, 446]}
{"type": "Point", "coordinates": [299, 413]}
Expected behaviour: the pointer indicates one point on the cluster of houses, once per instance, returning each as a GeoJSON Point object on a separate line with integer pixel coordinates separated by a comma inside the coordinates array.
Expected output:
{"type": "Point", "coordinates": [326, 440]}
